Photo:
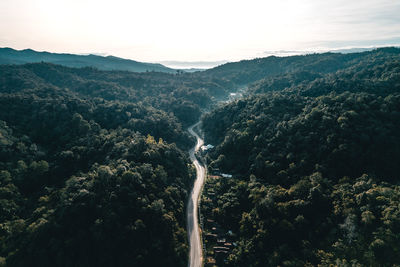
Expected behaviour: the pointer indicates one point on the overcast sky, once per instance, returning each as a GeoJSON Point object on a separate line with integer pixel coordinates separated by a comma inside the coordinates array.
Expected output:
{"type": "Point", "coordinates": [206, 30]}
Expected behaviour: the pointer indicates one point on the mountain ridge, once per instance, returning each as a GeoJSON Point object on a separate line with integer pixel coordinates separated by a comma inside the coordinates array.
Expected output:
{"type": "Point", "coordinates": [12, 56]}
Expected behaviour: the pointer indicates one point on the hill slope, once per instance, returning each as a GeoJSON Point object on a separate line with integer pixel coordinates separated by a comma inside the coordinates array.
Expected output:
{"type": "Point", "coordinates": [92, 168]}
{"type": "Point", "coordinates": [249, 71]}
{"type": "Point", "coordinates": [11, 56]}
{"type": "Point", "coordinates": [315, 161]}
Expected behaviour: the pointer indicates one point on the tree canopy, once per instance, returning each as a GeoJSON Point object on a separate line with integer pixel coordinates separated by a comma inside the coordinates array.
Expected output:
{"type": "Point", "coordinates": [315, 158]}
{"type": "Point", "coordinates": [94, 169]}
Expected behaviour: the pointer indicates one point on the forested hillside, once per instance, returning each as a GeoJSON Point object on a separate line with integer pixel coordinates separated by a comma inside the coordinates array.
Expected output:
{"type": "Point", "coordinates": [249, 71]}
{"type": "Point", "coordinates": [183, 95]}
{"type": "Point", "coordinates": [315, 159]}
{"type": "Point", "coordinates": [93, 168]}
{"type": "Point", "coordinates": [11, 56]}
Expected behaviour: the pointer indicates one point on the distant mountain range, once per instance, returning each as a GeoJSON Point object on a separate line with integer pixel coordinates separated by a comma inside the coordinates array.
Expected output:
{"type": "Point", "coordinates": [12, 56]}
{"type": "Point", "coordinates": [196, 65]}
{"type": "Point", "coordinates": [288, 53]}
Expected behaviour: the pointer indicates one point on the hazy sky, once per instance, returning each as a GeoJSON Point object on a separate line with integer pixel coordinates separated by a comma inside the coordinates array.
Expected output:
{"type": "Point", "coordinates": [157, 30]}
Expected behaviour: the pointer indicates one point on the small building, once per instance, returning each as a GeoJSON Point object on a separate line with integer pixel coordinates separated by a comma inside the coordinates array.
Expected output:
{"type": "Point", "coordinates": [228, 245]}
{"type": "Point", "coordinates": [211, 195]}
{"type": "Point", "coordinates": [221, 248]}
{"type": "Point", "coordinates": [207, 147]}
{"type": "Point", "coordinates": [225, 175]}
{"type": "Point", "coordinates": [221, 240]}
{"type": "Point", "coordinates": [210, 261]}
{"type": "Point", "coordinates": [211, 237]}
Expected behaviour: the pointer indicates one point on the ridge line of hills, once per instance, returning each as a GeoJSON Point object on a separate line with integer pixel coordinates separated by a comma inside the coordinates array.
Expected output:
{"type": "Point", "coordinates": [12, 56]}
{"type": "Point", "coordinates": [9, 56]}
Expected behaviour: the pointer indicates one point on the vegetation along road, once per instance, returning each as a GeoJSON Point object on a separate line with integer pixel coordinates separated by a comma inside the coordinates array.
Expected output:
{"type": "Point", "coordinates": [195, 256]}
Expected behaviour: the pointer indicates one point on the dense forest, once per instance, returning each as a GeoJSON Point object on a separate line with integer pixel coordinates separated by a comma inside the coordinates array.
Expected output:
{"type": "Point", "coordinates": [315, 159]}
{"type": "Point", "coordinates": [94, 169]}
{"type": "Point", "coordinates": [93, 165]}
{"type": "Point", "coordinates": [249, 71]}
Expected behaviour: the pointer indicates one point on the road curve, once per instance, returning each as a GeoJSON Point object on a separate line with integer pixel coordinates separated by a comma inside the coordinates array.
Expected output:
{"type": "Point", "coordinates": [196, 253]}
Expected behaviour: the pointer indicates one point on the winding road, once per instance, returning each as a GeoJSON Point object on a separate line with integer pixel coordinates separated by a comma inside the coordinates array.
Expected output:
{"type": "Point", "coordinates": [195, 255]}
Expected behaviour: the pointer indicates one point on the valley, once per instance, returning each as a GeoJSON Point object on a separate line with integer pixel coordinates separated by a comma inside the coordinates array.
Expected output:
{"type": "Point", "coordinates": [302, 171]}
{"type": "Point", "coordinates": [193, 229]}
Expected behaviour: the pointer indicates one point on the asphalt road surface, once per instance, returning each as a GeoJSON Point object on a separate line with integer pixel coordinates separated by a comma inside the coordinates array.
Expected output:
{"type": "Point", "coordinates": [195, 255]}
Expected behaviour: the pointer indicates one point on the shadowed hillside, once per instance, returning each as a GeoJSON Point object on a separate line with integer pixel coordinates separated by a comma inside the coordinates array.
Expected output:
{"type": "Point", "coordinates": [11, 56]}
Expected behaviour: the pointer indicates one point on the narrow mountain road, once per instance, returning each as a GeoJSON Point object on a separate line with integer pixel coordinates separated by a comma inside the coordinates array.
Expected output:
{"type": "Point", "coordinates": [195, 255]}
